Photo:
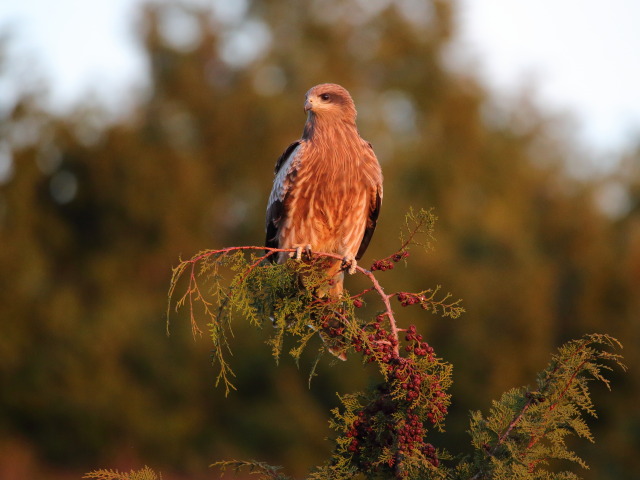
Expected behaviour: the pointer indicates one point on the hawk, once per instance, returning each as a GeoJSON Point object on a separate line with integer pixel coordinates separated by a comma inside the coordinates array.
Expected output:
{"type": "Point", "coordinates": [327, 189]}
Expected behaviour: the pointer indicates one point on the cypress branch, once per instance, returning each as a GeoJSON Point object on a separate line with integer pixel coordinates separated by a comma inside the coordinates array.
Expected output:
{"type": "Point", "coordinates": [526, 428]}
{"type": "Point", "coordinates": [143, 474]}
{"type": "Point", "coordinates": [383, 432]}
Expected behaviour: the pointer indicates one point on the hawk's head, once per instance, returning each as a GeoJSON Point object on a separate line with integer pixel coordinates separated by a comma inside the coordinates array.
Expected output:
{"type": "Point", "coordinates": [329, 100]}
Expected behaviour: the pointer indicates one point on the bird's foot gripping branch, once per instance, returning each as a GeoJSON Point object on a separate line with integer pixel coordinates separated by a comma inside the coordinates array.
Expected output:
{"type": "Point", "coordinates": [384, 432]}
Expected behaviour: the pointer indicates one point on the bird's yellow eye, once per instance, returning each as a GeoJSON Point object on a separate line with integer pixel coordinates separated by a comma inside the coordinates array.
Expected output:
{"type": "Point", "coordinates": [325, 96]}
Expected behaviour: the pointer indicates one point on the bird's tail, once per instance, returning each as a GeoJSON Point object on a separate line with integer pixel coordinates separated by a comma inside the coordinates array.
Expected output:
{"type": "Point", "coordinates": [334, 282]}
{"type": "Point", "coordinates": [330, 317]}
{"type": "Point", "coordinates": [332, 321]}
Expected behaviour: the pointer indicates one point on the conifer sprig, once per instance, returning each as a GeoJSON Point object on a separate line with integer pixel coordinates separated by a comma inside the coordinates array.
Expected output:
{"type": "Point", "coordinates": [527, 428]}
{"type": "Point", "coordinates": [384, 432]}
{"type": "Point", "coordinates": [144, 473]}
{"type": "Point", "coordinates": [259, 290]}
{"type": "Point", "coordinates": [252, 467]}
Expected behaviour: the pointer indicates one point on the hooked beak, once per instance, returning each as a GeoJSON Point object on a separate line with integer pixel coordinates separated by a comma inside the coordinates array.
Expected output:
{"type": "Point", "coordinates": [308, 105]}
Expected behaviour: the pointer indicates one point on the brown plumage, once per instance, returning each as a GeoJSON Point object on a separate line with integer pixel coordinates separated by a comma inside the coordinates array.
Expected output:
{"type": "Point", "coordinates": [327, 189]}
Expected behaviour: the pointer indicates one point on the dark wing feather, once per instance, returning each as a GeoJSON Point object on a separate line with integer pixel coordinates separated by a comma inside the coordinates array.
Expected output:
{"type": "Point", "coordinates": [275, 209]}
{"type": "Point", "coordinates": [374, 211]}
{"type": "Point", "coordinates": [274, 214]}
{"type": "Point", "coordinates": [283, 158]}
{"type": "Point", "coordinates": [374, 204]}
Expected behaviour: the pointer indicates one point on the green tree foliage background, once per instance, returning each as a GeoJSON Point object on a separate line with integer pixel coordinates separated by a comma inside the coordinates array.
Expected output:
{"type": "Point", "coordinates": [93, 215]}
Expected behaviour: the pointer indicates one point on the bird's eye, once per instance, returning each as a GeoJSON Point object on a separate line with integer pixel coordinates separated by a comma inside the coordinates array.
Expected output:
{"type": "Point", "coordinates": [325, 97]}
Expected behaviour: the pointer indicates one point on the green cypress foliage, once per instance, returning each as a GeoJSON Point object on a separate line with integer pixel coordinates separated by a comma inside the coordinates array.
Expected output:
{"type": "Point", "coordinates": [143, 474]}
{"type": "Point", "coordinates": [384, 432]}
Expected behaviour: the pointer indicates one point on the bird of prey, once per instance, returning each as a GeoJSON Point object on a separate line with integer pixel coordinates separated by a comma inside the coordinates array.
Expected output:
{"type": "Point", "coordinates": [327, 189]}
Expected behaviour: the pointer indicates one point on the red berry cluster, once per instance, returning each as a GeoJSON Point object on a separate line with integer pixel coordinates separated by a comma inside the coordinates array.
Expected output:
{"type": "Point", "coordinates": [373, 429]}
{"type": "Point", "coordinates": [378, 344]}
{"type": "Point", "coordinates": [359, 431]}
{"type": "Point", "coordinates": [406, 299]}
{"type": "Point", "coordinates": [410, 437]}
{"type": "Point", "coordinates": [382, 265]}
{"type": "Point", "coordinates": [388, 263]}
{"type": "Point", "coordinates": [417, 346]}
{"type": "Point", "coordinates": [424, 401]}
{"type": "Point", "coordinates": [332, 326]}
{"type": "Point", "coordinates": [396, 257]}
{"type": "Point", "coordinates": [421, 389]}
{"type": "Point", "coordinates": [381, 345]}
{"type": "Point", "coordinates": [429, 451]}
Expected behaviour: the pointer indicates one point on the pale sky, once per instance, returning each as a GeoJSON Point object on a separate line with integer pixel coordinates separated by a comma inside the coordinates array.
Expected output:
{"type": "Point", "coordinates": [581, 56]}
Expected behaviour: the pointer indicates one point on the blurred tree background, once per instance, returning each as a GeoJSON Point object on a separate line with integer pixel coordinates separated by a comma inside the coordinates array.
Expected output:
{"type": "Point", "coordinates": [94, 214]}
